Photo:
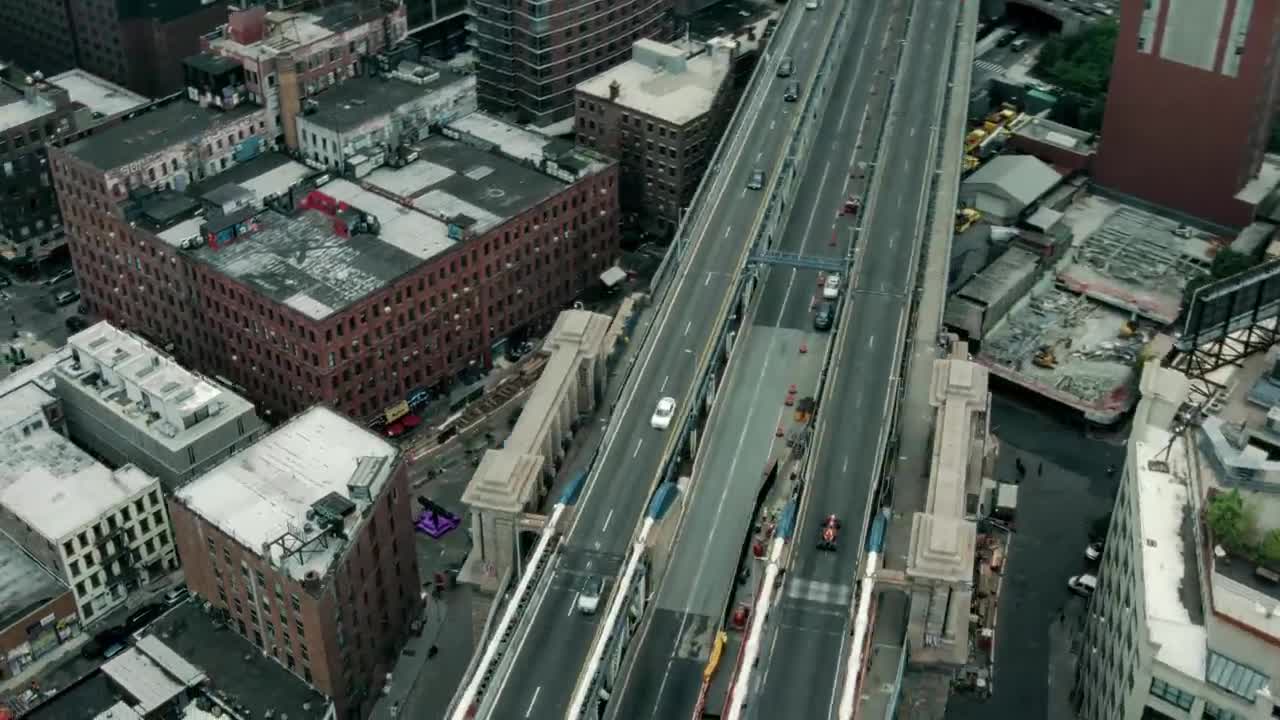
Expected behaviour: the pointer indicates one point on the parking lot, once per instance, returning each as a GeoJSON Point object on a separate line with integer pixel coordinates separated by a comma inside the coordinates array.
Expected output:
{"type": "Point", "coordinates": [1067, 485]}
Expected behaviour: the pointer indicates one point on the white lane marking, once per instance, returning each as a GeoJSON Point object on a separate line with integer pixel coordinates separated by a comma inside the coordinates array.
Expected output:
{"type": "Point", "coordinates": [844, 467]}
{"type": "Point", "coordinates": [604, 527]}
{"type": "Point", "coordinates": [687, 327]}
{"type": "Point", "coordinates": [804, 242]}
{"type": "Point", "coordinates": [534, 701]}
{"type": "Point", "coordinates": [664, 381]}
{"type": "Point", "coordinates": [871, 341]}
{"type": "Point", "coordinates": [573, 604]}
{"type": "Point", "coordinates": [639, 443]}
{"type": "Point", "coordinates": [759, 155]}
{"type": "Point", "coordinates": [728, 230]}
{"type": "Point", "coordinates": [707, 281]}
{"type": "Point", "coordinates": [742, 195]}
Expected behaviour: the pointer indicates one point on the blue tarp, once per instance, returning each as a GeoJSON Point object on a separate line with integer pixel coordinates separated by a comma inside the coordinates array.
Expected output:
{"type": "Point", "coordinates": [662, 500]}
{"type": "Point", "coordinates": [574, 488]}
{"type": "Point", "coordinates": [788, 522]}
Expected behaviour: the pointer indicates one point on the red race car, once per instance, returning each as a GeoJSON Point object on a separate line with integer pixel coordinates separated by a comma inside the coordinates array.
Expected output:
{"type": "Point", "coordinates": [829, 533]}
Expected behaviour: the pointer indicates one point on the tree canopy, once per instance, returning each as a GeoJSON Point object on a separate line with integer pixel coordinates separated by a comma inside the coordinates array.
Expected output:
{"type": "Point", "coordinates": [1226, 263]}
{"type": "Point", "coordinates": [1080, 64]}
{"type": "Point", "coordinates": [1232, 522]}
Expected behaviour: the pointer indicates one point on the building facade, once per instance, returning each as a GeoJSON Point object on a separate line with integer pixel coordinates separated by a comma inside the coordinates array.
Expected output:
{"type": "Point", "coordinates": [305, 541]}
{"type": "Point", "coordinates": [1221, 56]}
{"type": "Point", "coordinates": [289, 56]}
{"type": "Point", "coordinates": [354, 123]}
{"type": "Point", "coordinates": [37, 610]}
{"type": "Point", "coordinates": [1178, 627]}
{"type": "Point", "coordinates": [36, 112]}
{"type": "Point", "coordinates": [137, 45]}
{"type": "Point", "coordinates": [128, 403]}
{"type": "Point", "coordinates": [103, 532]}
{"type": "Point", "coordinates": [252, 273]}
{"type": "Point", "coordinates": [662, 114]}
{"type": "Point", "coordinates": [530, 58]}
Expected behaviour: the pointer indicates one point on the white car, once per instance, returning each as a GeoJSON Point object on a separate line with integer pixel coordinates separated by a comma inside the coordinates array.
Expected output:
{"type": "Point", "coordinates": [831, 288]}
{"type": "Point", "coordinates": [589, 598]}
{"type": "Point", "coordinates": [811, 5]}
{"type": "Point", "coordinates": [1083, 584]}
{"type": "Point", "coordinates": [662, 415]}
{"type": "Point", "coordinates": [1093, 551]}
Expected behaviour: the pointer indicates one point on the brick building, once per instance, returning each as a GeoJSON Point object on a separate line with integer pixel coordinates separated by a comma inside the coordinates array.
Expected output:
{"type": "Point", "coordinates": [139, 45]}
{"type": "Point", "coordinates": [662, 113]}
{"type": "Point", "coordinates": [530, 58]}
{"type": "Point", "coordinates": [37, 610]}
{"type": "Point", "coordinates": [299, 287]}
{"type": "Point", "coordinates": [36, 112]}
{"type": "Point", "coordinates": [289, 56]}
{"type": "Point", "coordinates": [306, 541]}
{"type": "Point", "coordinates": [1221, 56]}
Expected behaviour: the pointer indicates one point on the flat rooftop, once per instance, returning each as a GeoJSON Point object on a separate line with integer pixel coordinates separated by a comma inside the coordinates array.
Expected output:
{"type": "Point", "coordinates": [266, 492]}
{"type": "Point", "coordinates": [57, 488]}
{"type": "Point", "coordinates": [298, 260]}
{"type": "Point", "coordinates": [152, 131]}
{"type": "Point", "coordinates": [661, 81]}
{"type": "Point", "coordinates": [239, 673]}
{"type": "Point", "coordinates": [1172, 602]}
{"type": "Point", "coordinates": [1094, 365]}
{"type": "Point", "coordinates": [1055, 133]}
{"type": "Point", "coordinates": [21, 403]}
{"type": "Point", "coordinates": [119, 369]}
{"type": "Point", "coordinates": [524, 145]}
{"type": "Point", "coordinates": [288, 31]}
{"type": "Point", "coordinates": [1130, 258]}
{"type": "Point", "coordinates": [152, 674]}
{"type": "Point", "coordinates": [359, 100]}
{"type": "Point", "coordinates": [17, 109]}
{"type": "Point", "coordinates": [25, 585]}
{"type": "Point", "coordinates": [40, 372]}
{"type": "Point", "coordinates": [98, 94]}
{"type": "Point", "coordinates": [85, 700]}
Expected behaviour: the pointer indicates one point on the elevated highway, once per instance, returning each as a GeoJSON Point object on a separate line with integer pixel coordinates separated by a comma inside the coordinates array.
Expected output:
{"type": "Point", "coordinates": [547, 641]}
{"type": "Point", "coordinates": [800, 669]}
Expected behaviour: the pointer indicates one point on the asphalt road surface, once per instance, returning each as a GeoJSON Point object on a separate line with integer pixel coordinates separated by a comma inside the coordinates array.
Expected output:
{"type": "Point", "coordinates": [807, 637]}
{"type": "Point", "coordinates": [666, 673]}
{"type": "Point", "coordinates": [553, 642]}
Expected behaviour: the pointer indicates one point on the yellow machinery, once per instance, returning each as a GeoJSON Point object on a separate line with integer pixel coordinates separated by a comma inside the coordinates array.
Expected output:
{"type": "Point", "coordinates": [965, 218]}
{"type": "Point", "coordinates": [974, 139]}
{"type": "Point", "coordinates": [971, 163]}
{"type": "Point", "coordinates": [1128, 329]}
{"type": "Point", "coordinates": [1047, 355]}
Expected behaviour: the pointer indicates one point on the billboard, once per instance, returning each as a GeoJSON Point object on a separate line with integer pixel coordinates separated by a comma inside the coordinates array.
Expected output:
{"type": "Point", "coordinates": [1230, 305]}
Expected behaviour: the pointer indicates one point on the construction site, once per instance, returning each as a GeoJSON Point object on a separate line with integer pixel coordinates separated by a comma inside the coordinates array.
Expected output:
{"type": "Point", "coordinates": [1131, 259]}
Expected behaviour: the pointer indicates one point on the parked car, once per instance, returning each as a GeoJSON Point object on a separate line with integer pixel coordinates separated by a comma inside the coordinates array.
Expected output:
{"type": "Point", "coordinates": [1083, 585]}
{"type": "Point", "coordinates": [176, 595]}
{"type": "Point", "coordinates": [75, 324]}
{"type": "Point", "coordinates": [66, 297]}
{"type": "Point", "coordinates": [143, 616]}
{"type": "Point", "coordinates": [1093, 551]}
{"type": "Point", "coordinates": [589, 598]}
{"type": "Point", "coordinates": [60, 276]}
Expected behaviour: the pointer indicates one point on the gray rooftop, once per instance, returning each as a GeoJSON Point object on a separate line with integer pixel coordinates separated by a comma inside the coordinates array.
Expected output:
{"type": "Point", "coordinates": [995, 280]}
{"type": "Point", "coordinates": [299, 261]}
{"type": "Point", "coordinates": [1022, 177]}
{"type": "Point", "coordinates": [152, 131]}
{"type": "Point", "coordinates": [17, 109]}
{"type": "Point", "coordinates": [97, 94]}
{"type": "Point", "coordinates": [83, 701]}
{"type": "Point", "coordinates": [238, 671]}
{"type": "Point", "coordinates": [359, 100]}
{"type": "Point", "coordinates": [25, 584]}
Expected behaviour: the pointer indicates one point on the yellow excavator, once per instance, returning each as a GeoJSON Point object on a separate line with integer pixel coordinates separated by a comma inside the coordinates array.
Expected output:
{"type": "Point", "coordinates": [1128, 329]}
{"type": "Point", "coordinates": [1047, 356]}
{"type": "Point", "coordinates": [965, 218]}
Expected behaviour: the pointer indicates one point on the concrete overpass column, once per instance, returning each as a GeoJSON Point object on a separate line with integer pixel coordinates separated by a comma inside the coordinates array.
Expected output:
{"type": "Point", "coordinates": [502, 488]}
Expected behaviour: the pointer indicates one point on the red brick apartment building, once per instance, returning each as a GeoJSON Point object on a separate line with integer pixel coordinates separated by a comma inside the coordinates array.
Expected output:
{"type": "Point", "coordinates": [304, 288]}
{"type": "Point", "coordinates": [305, 541]}
{"type": "Point", "coordinates": [1189, 109]}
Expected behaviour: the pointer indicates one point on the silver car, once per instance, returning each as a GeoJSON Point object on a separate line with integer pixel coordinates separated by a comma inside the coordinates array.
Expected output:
{"type": "Point", "coordinates": [757, 180]}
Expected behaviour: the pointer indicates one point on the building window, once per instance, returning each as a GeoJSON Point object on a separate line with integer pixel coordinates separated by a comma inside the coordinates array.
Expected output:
{"type": "Point", "coordinates": [1234, 677]}
{"type": "Point", "coordinates": [1171, 694]}
{"type": "Point", "coordinates": [1213, 712]}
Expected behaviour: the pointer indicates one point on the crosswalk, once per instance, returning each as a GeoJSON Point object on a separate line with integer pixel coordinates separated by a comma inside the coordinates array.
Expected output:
{"type": "Point", "coordinates": [988, 66]}
{"type": "Point", "coordinates": [816, 591]}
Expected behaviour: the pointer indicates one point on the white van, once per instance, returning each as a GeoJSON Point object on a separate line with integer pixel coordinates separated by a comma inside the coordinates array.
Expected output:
{"type": "Point", "coordinates": [1083, 584]}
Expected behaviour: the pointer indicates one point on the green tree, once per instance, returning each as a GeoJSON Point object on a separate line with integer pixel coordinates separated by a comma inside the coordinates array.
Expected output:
{"type": "Point", "coordinates": [1231, 522]}
{"type": "Point", "coordinates": [1080, 66]}
{"type": "Point", "coordinates": [1270, 549]}
{"type": "Point", "coordinates": [1225, 264]}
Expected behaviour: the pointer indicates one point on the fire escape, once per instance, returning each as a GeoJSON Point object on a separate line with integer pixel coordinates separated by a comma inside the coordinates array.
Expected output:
{"type": "Point", "coordinates": [114, 546]}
